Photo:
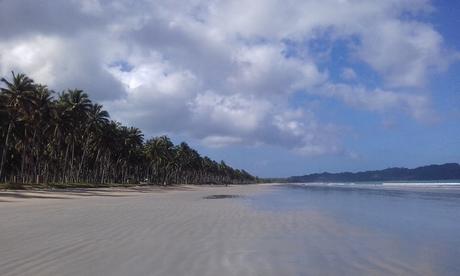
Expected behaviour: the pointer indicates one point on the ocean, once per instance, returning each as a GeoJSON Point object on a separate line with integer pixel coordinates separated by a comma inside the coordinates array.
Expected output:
{"type": "Point", "coordinates": [396, 228]}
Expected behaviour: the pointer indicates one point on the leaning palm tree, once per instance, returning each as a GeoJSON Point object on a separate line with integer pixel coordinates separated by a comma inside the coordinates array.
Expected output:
{"type": "Point", "coordinates": [17, 93]}
{"type": "Point", "coordinates": [97, 118]}
{"type": "Point", "coordinates": [76, 105]}
{"type": "Point", "coordinates": [40, 125]}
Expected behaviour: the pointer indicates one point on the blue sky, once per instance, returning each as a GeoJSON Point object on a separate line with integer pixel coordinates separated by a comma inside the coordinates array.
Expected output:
{"type": "Point", "coordinates": [279, 88]}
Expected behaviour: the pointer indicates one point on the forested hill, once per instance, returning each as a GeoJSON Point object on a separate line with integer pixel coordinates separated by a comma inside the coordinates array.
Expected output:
{"type": "Point", "coordinates": [448, 171]}
{"type": "Point", "coordinates": [48, 137]}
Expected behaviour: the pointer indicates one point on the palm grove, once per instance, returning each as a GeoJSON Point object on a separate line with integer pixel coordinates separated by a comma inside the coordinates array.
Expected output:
{"type": "Point", "coordinates": [66, 138]}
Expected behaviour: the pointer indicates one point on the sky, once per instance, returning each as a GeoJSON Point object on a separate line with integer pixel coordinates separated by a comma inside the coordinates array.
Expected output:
{"type": "Point", "coordinates": [277, 87]}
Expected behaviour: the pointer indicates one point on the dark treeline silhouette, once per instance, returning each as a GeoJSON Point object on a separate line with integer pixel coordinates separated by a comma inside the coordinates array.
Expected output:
{"type": "Point", "coordinates": [449, 171]}
{"type": "Point", "coordinates": [47, 137]}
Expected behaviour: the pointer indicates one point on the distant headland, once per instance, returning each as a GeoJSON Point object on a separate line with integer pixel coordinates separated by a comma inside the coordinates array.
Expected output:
{"type": "Point", "coordinates": [449, 171]}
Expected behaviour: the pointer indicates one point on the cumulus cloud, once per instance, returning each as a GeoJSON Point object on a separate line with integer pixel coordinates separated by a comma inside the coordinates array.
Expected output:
{"type": "Point", "coordinates": [232, 114]}
{"type": "Point", "coordinates": [378, 100]}
{"type": "Point", "coordinates": [306, 134]}
{"type": "Point", "coordinates": [404, 52]}
{"type": "Point", "coordinates": [157, 94]}
{"type": "Point", "coordinates": [61, 63]}
{"type": "Point", "coordinates": [263, 69]}
{"type": "Point", "coordinates": [224, 72]}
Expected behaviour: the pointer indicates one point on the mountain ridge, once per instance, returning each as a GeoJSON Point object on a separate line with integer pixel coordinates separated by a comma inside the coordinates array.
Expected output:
{"type": "Point", "coordinates": [447, 171]}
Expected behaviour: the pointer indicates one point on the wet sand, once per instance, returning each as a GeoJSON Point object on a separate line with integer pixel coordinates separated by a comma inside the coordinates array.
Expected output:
{"type": "Point", "coordinates": [186, 231]}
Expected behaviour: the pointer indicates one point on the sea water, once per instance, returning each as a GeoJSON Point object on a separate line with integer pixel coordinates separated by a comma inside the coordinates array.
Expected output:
{"type": "Point", "coordinates": [420, 221]}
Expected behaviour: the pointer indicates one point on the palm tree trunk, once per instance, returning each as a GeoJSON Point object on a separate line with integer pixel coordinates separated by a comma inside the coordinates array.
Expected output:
{"type": "Point", "coordinates": [23, 158]}
{"type": "Point", "coordinates": [82, 157]}
{"type": "Point", "coordinates": [64, 171]}
{"type": "Point", "coordinates": [5, 148]}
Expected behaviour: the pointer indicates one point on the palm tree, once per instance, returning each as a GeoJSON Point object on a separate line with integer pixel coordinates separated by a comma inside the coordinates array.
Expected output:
{"type": "Point", "coordinates": [40, 125]}
{"type": "Point", "coordinates": [97, 118]}
{"type": "Point", "coordinates": [159, 151]}
{"type": "Point", "coordinates": [76, 108]}
{"type": "Point", "coordinates": [17, 93]}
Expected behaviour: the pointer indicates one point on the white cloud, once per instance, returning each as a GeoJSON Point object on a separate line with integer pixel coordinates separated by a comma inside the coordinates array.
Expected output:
{"type": "Point", "coordinates": [404, 52]}
{"type": "Point", "coordinates": [234, 113]}
{"type": "Point", "coordinates": [306, 135]}
{"type": "Point", "coordinates": [61, 63]}
{"type": "Point", "coordinates": [416, 105]}
{"type": "Point", "coordinates": [263, 69]}
{"type": "Point", "coordinates": [24, 55]}
{"type": "Point", "coordinates": [157, 94]}
{"type": "Point", "coordinates": [216, 141]}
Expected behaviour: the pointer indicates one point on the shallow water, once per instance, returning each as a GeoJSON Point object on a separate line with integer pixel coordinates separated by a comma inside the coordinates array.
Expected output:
{"type": "Point", "coordinates": [417, 227]}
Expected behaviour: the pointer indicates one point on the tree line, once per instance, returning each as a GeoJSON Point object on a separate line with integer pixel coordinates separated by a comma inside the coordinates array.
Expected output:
{"type": "Point", "coordinates": [49, 137]}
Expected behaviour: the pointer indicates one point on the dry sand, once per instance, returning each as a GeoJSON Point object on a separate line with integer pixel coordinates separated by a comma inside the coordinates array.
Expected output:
{"type": "Point", "coordinates": [179, 232]}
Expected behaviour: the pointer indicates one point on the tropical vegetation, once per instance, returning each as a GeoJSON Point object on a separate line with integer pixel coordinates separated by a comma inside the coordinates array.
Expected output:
{"type": "Point", "coordinates": [48, 137]}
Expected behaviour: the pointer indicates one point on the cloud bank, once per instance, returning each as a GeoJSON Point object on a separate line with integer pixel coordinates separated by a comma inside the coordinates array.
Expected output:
{"type": "Point", "coordinates": [225, 72]}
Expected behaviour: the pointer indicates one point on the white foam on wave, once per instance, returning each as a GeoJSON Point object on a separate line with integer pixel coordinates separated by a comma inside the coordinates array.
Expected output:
{"type": "Point", "coordinates": [421, 184]}
{"type": "Point", "coordinates": [391, 184]}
